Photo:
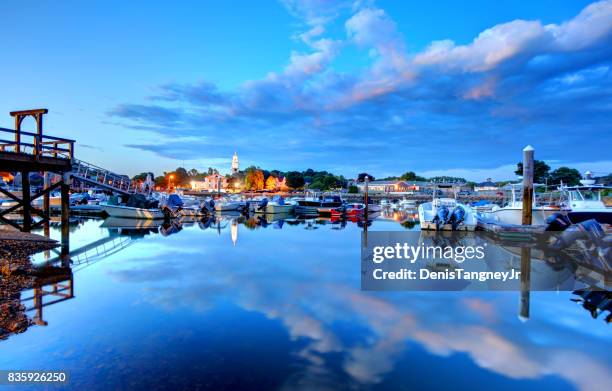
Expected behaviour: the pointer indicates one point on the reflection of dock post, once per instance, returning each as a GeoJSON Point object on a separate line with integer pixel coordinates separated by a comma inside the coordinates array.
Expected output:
{"type": "Point", "coordinates": [525, 282]}
{"type": "Point", "coordinates": [65, 201]}
{"type": "Point", "coordinates": [46, 185]}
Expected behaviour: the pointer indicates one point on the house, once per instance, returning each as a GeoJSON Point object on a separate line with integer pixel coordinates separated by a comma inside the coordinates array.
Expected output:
{"type": "Point", "coordinates": [487, 185]}
{"type": "Point", "coordinates": [211, 183]}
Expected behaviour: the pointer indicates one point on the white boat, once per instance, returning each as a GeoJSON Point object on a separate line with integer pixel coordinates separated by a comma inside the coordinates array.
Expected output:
{"type": "Point", "coordinates": [384, 203]}
{"type": "Point", "coordinates": [131, 212]}
{"type": "Point", "coordinates": [584, 202]}
{"type": "Point", "coordinates": [512, 212]}
{"type": "Point", "coordinates": [407, 204]}
{"type": "Point", "coordinates": [459, 217]}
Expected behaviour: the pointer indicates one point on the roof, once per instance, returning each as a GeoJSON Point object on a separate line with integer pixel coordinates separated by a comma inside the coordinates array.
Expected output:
{"type": "Point", "coordinates": [487, 184]}
{"type": "Point", "coordinates": [383, 182]}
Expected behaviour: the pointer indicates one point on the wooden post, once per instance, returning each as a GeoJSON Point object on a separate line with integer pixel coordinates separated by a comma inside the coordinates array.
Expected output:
{"type": "Point", "coordinates": [47, 183]}
{"type": "Point", "coordinates": [17, 134]}
{"type": "Point", "coordinates": [528, 169]}
{"type": "Point", "coordinates": [25, 195]}
{"type": "Point", "coordinates": [525, 283]}
{"type": "Point", "coordinates": [365, 196]}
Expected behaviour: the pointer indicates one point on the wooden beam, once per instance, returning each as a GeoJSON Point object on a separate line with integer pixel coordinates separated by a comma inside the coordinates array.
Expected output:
{"type": "Point", "coordinates": [25, 195]}
{"type": "Point", "coordinates": [28, 112]}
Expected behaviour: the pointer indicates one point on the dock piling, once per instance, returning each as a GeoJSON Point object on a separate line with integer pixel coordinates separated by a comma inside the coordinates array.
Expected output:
{"type": "Point", "coordinates": [528, 169]}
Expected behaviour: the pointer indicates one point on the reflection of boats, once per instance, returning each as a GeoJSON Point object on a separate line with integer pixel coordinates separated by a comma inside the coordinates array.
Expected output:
{"type": "Point", "coordinates": [446, 214]}
{"type": "Point", "coordinates": [584, 203]}
{"type": "Point", "coordinates": [120, 222]}
{"type": "Point", "coordinates": [132, 212]}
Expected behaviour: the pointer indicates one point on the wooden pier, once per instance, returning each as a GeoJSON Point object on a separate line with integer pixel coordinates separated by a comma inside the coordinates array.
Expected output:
{"type": "Point", "coordinates": [27, 152]}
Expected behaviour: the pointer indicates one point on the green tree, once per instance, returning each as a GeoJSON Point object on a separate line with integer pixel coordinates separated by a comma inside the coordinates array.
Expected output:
{"type": "Point", "coordinates": [295, 180]}
{"type": "Point", "coordinates": [569, 176]}
{"type": "Point", "coordinates": [361, 177]}
{"type": "Point", "coordinates": [411, 176]}
{"type": "Point", "coordinates": [540, 170]}
{"type": "Point", "coordinates": [353, 189]}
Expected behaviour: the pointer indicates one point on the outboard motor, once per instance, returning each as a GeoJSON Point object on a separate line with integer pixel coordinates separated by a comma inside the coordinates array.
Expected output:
{"type": "Point", "coordinates": [457, 217]}
{"type": "Point", "coordinates": [441, 216]}
{"type": "Point", "coordinates": [589, 230]}
{"type": "Point", "coordinates": [557, 222]}
{"type": "Point", "coordinates": [262, 205]}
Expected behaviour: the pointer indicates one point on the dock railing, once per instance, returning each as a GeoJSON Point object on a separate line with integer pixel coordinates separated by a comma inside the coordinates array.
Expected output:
{"type": "Point", "coordinates": [41, 145]}
{"type": "Point", "coordinates": [95, 175]}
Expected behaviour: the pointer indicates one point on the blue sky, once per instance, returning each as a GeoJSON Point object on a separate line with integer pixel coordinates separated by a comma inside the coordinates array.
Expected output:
{"type": "Point", "coordinates": [439, 87]}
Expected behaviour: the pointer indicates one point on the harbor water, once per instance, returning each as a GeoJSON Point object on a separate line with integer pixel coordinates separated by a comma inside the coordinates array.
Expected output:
{"type": "Point", "coordinates": [249, 304]}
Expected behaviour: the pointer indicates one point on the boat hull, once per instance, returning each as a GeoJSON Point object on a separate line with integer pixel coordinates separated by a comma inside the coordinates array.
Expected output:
{"type": "Point", "coordinates": [602, 217]}
{"type": "Point", "coordinates": [128, 212]}
{"type": "Point", "coordinates": [276, 209]}
{"type": "Point", "coordinates": [514, 216]}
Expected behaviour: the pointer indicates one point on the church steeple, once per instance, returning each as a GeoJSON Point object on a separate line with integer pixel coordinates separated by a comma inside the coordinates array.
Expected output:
{"type": "Point", "coordinates": [235, 165]}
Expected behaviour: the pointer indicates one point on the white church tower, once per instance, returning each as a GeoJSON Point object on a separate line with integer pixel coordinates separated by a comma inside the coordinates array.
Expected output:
{"type": "Point", "coordinates": [235, 166]}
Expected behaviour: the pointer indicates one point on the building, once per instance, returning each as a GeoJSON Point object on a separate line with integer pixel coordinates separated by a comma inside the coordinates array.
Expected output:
{"type": "Point", "coordinates": [487, 185]}
{"type": "Point", "coordinates": [210, 183]}
{"type": "Point", "coordinates": [235, 164]}
{"type": "Point", "coordinates": [387, 187]}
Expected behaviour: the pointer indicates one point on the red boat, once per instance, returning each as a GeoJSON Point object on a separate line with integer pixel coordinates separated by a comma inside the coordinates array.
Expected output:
{"type": "Point", "coordinates": [349, 210]}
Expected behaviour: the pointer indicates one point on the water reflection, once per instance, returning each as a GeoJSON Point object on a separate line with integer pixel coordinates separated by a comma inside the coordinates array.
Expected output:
{"type": "Point", "coordinates": [292, 283]}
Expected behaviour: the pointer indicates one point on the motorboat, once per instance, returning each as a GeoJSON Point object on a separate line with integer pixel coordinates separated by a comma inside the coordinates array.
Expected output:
{"type": "Point", "coordinates": [446, 214]}
{"type": "Point", "coordinates": [130, 212]}
{"type": "Point", "coordinates": [349, 210]}
{"type": "Point", "coordinates": [385, 203]}
{"type": "Point", "coordinates": [584, 203]}
{"type": "Point", "coordinates": [407, 204]}
{"type": "Point", "coordinates": [278, 205]}
{"type": "Point", "coordinates": [512, 212]}
{"type": "Point", "coordinates": [230, 205]}
{"type": "Point", "coordinates": [322, 205]}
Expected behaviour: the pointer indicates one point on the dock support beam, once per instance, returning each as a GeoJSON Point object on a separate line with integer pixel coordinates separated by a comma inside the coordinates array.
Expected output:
{"type": "Point", "coordinates": [528, 169]}
{"type": "Point", "coordinates": [25, 196]}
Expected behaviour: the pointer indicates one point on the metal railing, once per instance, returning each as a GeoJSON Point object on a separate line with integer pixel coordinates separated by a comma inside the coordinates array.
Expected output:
{"type": "Point", "coordinates": [92, 174]}
{"type": "Point", "coordinates": [41, 145]}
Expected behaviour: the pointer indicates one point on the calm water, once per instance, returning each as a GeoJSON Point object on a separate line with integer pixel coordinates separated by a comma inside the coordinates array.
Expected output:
{"type": "Point", "coordinates": [241, 307]}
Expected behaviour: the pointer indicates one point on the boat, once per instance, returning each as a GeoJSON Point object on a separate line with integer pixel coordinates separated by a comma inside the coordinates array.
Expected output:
{"type": "Point", "coordinates": [349, 210]}
{"type": "Point", "coordinates": [322, 205]}
{"type": "Point", "coordinates": [229, 205]}
{"type": "Point", "coordinates": [276, 206]}
{"type": "Point", "coordinates": [512, 212]}
{"type": "Point", "coordinates": [384, 203]}
{"type": "Point", "coordinates": [446, 214]}
{"type": "Point", "coordinates": [584, 203]}
{"type": "Point", "coordinates": [130, 212]}
{"type": "Point", "coordinates": [407, 204]}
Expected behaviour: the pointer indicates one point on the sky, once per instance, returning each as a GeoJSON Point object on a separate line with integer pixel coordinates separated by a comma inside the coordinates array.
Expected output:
{"type": "Point", "coordinates": [439, 88]}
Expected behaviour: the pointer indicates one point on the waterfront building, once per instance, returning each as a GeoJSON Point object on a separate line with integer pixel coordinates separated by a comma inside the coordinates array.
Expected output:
{"type": "Point", "coordinates": [387, 187]}
{"type": "Point", "coordinates": [210, 183]}
{"type": "Point", "coordinates": [487, 185]}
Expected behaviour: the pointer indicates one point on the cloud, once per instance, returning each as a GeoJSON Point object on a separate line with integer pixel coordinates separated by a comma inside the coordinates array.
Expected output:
{"type": "Point", "coordinates": [448, 107]}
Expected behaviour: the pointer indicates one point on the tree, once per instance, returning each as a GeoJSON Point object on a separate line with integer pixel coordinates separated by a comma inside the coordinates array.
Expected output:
{"type": "Point", "coordinates": [361, 177]}
{"type": "Point", "coordinates": [569, 176]}
{"type": "Point", "coordinates": [540, 171]}
{"type": "Point", "coordinates": [212, 171]}
{"type": "Point", "coordinates": [411, 176]}
{"type": "Point", "coordinates": [160, 181]}
{"type": "Point", "coordinates": [254, 179]}
{"type": "Point", "coordinates": [353, 189]}
{"type": "Point", "coordinates": [271, 183]}
{"type": "Point", "coordinates": [295, 180]}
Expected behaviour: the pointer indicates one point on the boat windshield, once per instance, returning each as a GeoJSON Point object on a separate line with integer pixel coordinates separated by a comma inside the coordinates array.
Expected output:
{"type": "Point", "coordinates": [584, 195]}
